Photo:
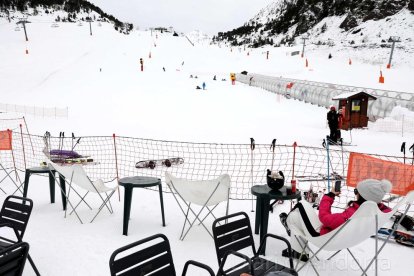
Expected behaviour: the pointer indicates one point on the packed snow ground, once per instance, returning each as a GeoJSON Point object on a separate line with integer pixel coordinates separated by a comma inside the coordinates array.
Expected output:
{"type": "Point", "coordinates": [98, 78]}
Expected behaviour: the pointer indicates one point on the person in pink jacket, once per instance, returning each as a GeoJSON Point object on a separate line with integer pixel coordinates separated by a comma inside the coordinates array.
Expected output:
{"type": "Point", "coordinates": [369, 189]}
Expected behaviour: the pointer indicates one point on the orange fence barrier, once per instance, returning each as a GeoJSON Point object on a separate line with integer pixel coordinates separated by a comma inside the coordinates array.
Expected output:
{"type": "Point", "coordinates": [362, 166]}
{"type": "Point", "coordinates": [6, 140]}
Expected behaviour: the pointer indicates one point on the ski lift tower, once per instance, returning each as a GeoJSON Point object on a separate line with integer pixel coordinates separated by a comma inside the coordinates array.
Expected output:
{"type": "Point", "coordinates": [392, 39]}
{"type": "Point", "coordinates": [304, 38]}
{"type": "Point", "coordinates": [24, 22]}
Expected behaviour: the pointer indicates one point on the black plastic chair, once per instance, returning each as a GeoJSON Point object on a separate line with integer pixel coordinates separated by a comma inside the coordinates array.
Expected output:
{"type": "Point", "coordinates": [13, 259]}
{"type": "Point", "coordinates": [236, 235]}
{"type": "Point", "coordinates": [155, 259]}
{"type": "Point", "coordinates": [15, 214]}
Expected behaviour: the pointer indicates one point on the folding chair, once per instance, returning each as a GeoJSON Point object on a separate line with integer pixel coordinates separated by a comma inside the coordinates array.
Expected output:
{"type": "Point", "coordinates": [205, 193]}
{"type": "Point", "coordinates": [154, 260]}
{"type": "Point", "coordinates": [7, 145]}
{"type": "Point", "coordinates": [236, 235]}
{"type": "Point", "coordinates": [361, 226]}
{"type": "Point", "coordinates": [75, 174]}
{"type": "Point", "coordinates": [13, 259]}
{"type": "Point", "coordinates": [15, 214]}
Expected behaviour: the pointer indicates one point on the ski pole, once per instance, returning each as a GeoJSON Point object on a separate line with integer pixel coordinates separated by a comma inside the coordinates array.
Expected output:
{"type": "Point", "coordinates": [272, 147]}
{"type": "Point", "coordinates": [77, 142]}
{"type": "Point", "coordinates": [327, 154]}
{"type": "Point", "coordinates": [73, 138]}
{"type": "Point", "coordinates": [342, 153]}
{"type": "Point", "coordinates": [60, 140]}
{"type": "Point", "coordinates": [293, 181]}
{"type": "Point", "coordinates": [403, 150]}
{"type": "Point", "coordinates": [252, 146]}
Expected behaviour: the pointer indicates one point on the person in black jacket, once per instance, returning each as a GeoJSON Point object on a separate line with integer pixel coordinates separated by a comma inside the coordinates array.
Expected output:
{"type": "Point", "coordinates": [332, 118]}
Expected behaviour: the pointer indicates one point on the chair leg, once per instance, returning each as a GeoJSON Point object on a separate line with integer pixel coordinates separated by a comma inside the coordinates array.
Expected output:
{"type": "Point", "coordinates": [333, 255]}
{"type": "Point", "coordinates": [108, 198]}
{"type": "Point", "coordinates": [185, 221]}
{"type": "Point", "coordinates": [197, 217]}
{"type": "Point", "coordinates": [352, 255]}
{"type": "Point", "coordinates": [82, 200]}
{"type": "Point", "coordinates": [209, 212]}
{"type": "Point", "coordinates": [387, 240]}
{"type": "Point", "coordinates": [33, 265]}
{"type": "Point", "coordinates": [67, 197]}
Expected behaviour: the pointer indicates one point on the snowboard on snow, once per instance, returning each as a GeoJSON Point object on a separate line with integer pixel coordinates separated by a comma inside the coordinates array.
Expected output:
{"type": "Point", "coordinates": [151, 164]}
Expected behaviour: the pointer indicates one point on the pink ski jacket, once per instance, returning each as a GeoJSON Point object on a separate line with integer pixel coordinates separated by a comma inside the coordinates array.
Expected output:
{"type": "Point", "coordinates": [332, 221]}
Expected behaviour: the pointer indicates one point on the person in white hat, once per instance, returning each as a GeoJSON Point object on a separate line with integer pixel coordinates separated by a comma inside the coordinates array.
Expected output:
{"type": "Point", "coordinates": [366, 190]}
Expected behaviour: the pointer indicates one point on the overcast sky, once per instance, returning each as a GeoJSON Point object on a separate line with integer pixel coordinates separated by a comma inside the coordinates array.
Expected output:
{"type": "Point", "coordinates": [209, 16]}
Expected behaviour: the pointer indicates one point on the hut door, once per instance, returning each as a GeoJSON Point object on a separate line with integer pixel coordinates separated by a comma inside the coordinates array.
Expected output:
{"type": "Point", "coordinates": [356, 113]}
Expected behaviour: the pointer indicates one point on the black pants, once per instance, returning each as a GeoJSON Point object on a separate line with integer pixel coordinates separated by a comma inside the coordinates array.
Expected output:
{"type": "Point", "coordinates": [334, 133]}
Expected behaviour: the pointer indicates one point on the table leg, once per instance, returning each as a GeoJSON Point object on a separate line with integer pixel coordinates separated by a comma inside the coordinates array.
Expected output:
{"type": "Point", "coordinates": [26, 183]}
{"type": "Point", "coordinates": [162, 204]}
{"type": "Point", "coordinates": [127, 209]}
{"type": "Point", "coordinates": [52, 187]}
{"type": "Point", "coordinates": [257, 216]}
{"type": "Point", "coordinates": [265, 208]}
{"type": "Point", "coordinates": [63, 190]}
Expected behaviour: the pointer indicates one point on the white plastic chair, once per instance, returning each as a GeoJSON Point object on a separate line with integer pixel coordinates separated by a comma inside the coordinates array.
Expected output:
{"type": "Point", "coordinates": [205, 193]}
{"type": "Point", "coordinates": [75, 174]}
{"type": "Point", "coordinates": [362, 225]}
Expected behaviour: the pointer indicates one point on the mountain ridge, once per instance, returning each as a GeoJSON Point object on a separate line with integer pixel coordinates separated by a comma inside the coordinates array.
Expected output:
{"type": "Point", "coordinates": [284, 21]}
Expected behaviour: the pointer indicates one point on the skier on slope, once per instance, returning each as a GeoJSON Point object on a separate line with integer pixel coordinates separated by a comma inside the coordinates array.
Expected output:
{"type": "Point", "coordinates": [369, 189]}
{"type": "Point", "coordinates": [332, 118]}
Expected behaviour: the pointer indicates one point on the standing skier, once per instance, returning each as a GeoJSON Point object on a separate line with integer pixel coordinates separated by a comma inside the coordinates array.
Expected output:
{"type": "Point", "coordinates": [332, 118]}
{"type": "Point", "coordinates": [204, 86]}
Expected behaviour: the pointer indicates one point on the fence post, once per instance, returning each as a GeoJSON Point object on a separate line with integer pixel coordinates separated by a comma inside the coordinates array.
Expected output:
{"type": "Point", "coordinates": [24, 153]}
{"type": "Point", "coordinates": [30, 138]}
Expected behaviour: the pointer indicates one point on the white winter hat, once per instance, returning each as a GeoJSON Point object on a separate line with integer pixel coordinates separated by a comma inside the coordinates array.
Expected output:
{"type": "Point", "coordinates": [374, 190]}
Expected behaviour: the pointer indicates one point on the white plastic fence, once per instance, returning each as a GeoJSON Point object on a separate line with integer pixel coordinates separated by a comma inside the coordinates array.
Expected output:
{"type": "Point", "coordinates": [321, 94]}
{"type": "Point", "coordinates": [35, 110]}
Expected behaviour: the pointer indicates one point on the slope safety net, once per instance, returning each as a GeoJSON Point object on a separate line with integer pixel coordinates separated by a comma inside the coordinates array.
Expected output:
{"type": "Point", "coordinates": [113, 157]}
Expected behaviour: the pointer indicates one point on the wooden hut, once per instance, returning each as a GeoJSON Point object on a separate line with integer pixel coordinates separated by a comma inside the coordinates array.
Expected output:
{"type": "Point", "coordinates": [354, 107]}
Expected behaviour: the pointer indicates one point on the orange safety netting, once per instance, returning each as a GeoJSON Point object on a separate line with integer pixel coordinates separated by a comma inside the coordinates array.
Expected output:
{"type": "Point", "coordinates": [6, 140]}
{"type": "Point", "coordinates": [363, 166]}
